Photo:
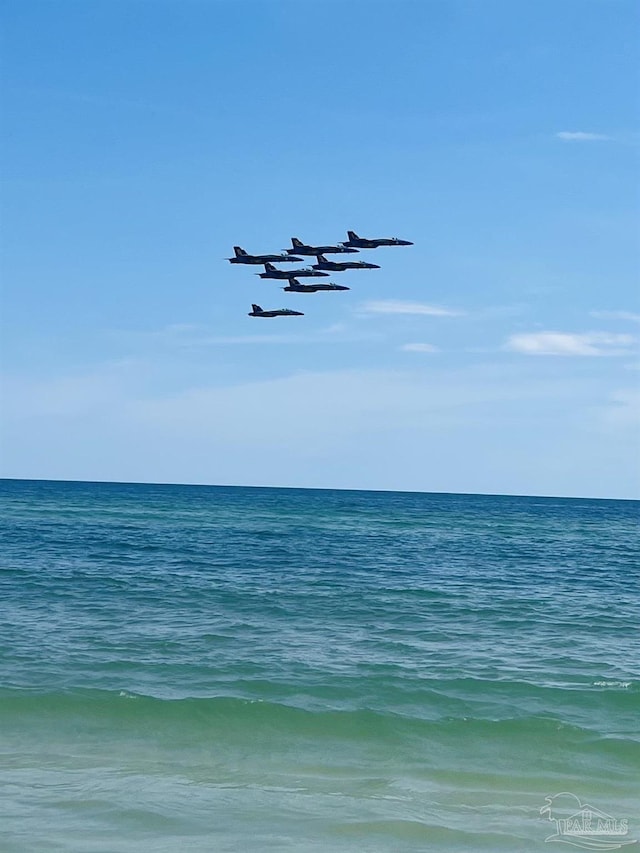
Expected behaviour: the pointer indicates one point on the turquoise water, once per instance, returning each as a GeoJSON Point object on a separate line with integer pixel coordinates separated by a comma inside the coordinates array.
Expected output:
{"type": "Point", "coordinates": [233, 669]}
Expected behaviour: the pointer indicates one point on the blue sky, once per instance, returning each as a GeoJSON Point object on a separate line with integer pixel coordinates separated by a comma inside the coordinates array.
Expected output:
{"type": "Point", "coordinates": [144, 139]}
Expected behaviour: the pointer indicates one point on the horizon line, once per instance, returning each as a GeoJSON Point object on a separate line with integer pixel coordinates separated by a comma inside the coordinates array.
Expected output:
{"type": "Point", "coordinates": [312, 489]}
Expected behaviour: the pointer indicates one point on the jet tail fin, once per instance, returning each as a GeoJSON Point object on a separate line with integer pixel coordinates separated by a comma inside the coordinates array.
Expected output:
{"type": "Point", "coordinates": [296, 242]}
{"type": "Point", "coordinates": [269, 267]}
{"type": "Point", "coordinates": [256, 309]}
{"type": "Point", "coordinates": [352, 235]}
{"type": "Point", "coordinates": [322, 259]}
{"type": "Point", "coordinates": [239, 251]}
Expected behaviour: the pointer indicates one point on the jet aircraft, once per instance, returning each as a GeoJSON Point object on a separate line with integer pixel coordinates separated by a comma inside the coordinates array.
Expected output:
{"type": "Point", "coordinates": [300, 248]}
{"type": "Point", "coordinates": [356, 242]}
{"type": "Point", "coordinates": [257, 311]}
{"type": "Point", "coordinates": [241, 257]}
{"type": "Point", "coordinates": [271, 272]}
{"type": "Point", "coordinates": [295, 286]}
{"type": "Point", "coordinates": [340, 266]}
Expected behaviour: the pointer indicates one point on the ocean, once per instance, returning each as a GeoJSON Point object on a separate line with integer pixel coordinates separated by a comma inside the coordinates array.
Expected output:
{"type": "Point", "coordinates": [191, 668]}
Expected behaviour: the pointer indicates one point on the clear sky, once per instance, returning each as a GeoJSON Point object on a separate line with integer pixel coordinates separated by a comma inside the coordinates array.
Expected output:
{"type": "Point", "coordinates": [144, 138]}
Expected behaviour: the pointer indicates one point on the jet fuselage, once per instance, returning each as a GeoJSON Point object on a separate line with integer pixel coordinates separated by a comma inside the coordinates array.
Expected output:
{"type": "Point", "coordinates": [296, 287]}
{"type": "Point", "coordinates": [356, 242]}
{"type": "Point", "coordinates": [271, 272]}
{"type": "Point", "coordinates": [301, 249]}
{"type": "Point", "coordinates": [257, 311]}
{"type": "Point", "coordinates": [340, 266]}
{"type": "Point", "coordinates": [264, 259]}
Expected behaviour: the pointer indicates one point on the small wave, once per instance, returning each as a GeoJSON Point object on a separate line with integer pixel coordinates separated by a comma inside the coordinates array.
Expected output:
{"type": "Point", "coordinates": [220, 717]}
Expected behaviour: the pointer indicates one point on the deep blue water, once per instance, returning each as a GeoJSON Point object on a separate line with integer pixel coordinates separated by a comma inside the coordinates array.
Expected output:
{"type": "Point", "coordinates": [215, 668]}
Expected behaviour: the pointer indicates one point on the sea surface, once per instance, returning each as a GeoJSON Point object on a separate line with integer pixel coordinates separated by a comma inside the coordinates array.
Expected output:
{"type": "Point", "coordinates": [190, 668]}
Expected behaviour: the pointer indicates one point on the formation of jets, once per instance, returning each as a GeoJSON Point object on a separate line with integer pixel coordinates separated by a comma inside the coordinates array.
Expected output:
{"type": "Point", "coordinates": [296, 253]}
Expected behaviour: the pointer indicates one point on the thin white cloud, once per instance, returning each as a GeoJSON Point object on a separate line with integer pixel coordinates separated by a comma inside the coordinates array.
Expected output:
{"type": "Point", "coordinates": [230, 340]}
{"type": "Point", "coordinates": [419, 348]}
{"type": "Point", "coordinates": [616, 315]}
{"type": "Point", "coordinates": [334, 329]}
{"type": "Point", "coordinates": [568, 344]}
{"type": "Point", "coordinates": [397, 306]}
{"type": "Point", "coordinates": [334, 423]}
{"type": "Point", "coordinates": [565, 343]}
{"type": "Point", "coordinates": [187, 336]}
{"type": "Point", "coordinates": [581, 136]}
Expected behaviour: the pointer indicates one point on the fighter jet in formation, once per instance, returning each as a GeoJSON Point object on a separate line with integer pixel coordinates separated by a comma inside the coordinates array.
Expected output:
{"type": "Point", "coordinates": [300, 248]}
{"type": "Point", "coordinates": [356, 242]}
{"type": "Point", "coordinates": [295, 286]}
{"type": "Point", "coordinates": [257, 311]}
{"type": "Point", "coordinates": [340, 266]}
{"type": "Point", "coordinates": [241, 257]}
{"type": "Point", "coordinates": [320, 269]}
{"type": "Point", "coordinates": [271, 272]}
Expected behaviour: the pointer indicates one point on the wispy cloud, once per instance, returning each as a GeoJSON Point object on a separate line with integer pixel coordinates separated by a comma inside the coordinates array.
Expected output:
{"type": "Point", "coordinates": [396, 306]}
{"type": "Point", "coordinates": [189, 336]}
{"type": "Point", "coordinates": [582, 136]}
{"type": "Point", "coordinates": [419, 348]}
{"type": "Point", "coordinates": [616, 315]}
{"type": "Point", "coordinates": [334, 422]}
{"type": "Point", "coordinates": [565, 343]}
